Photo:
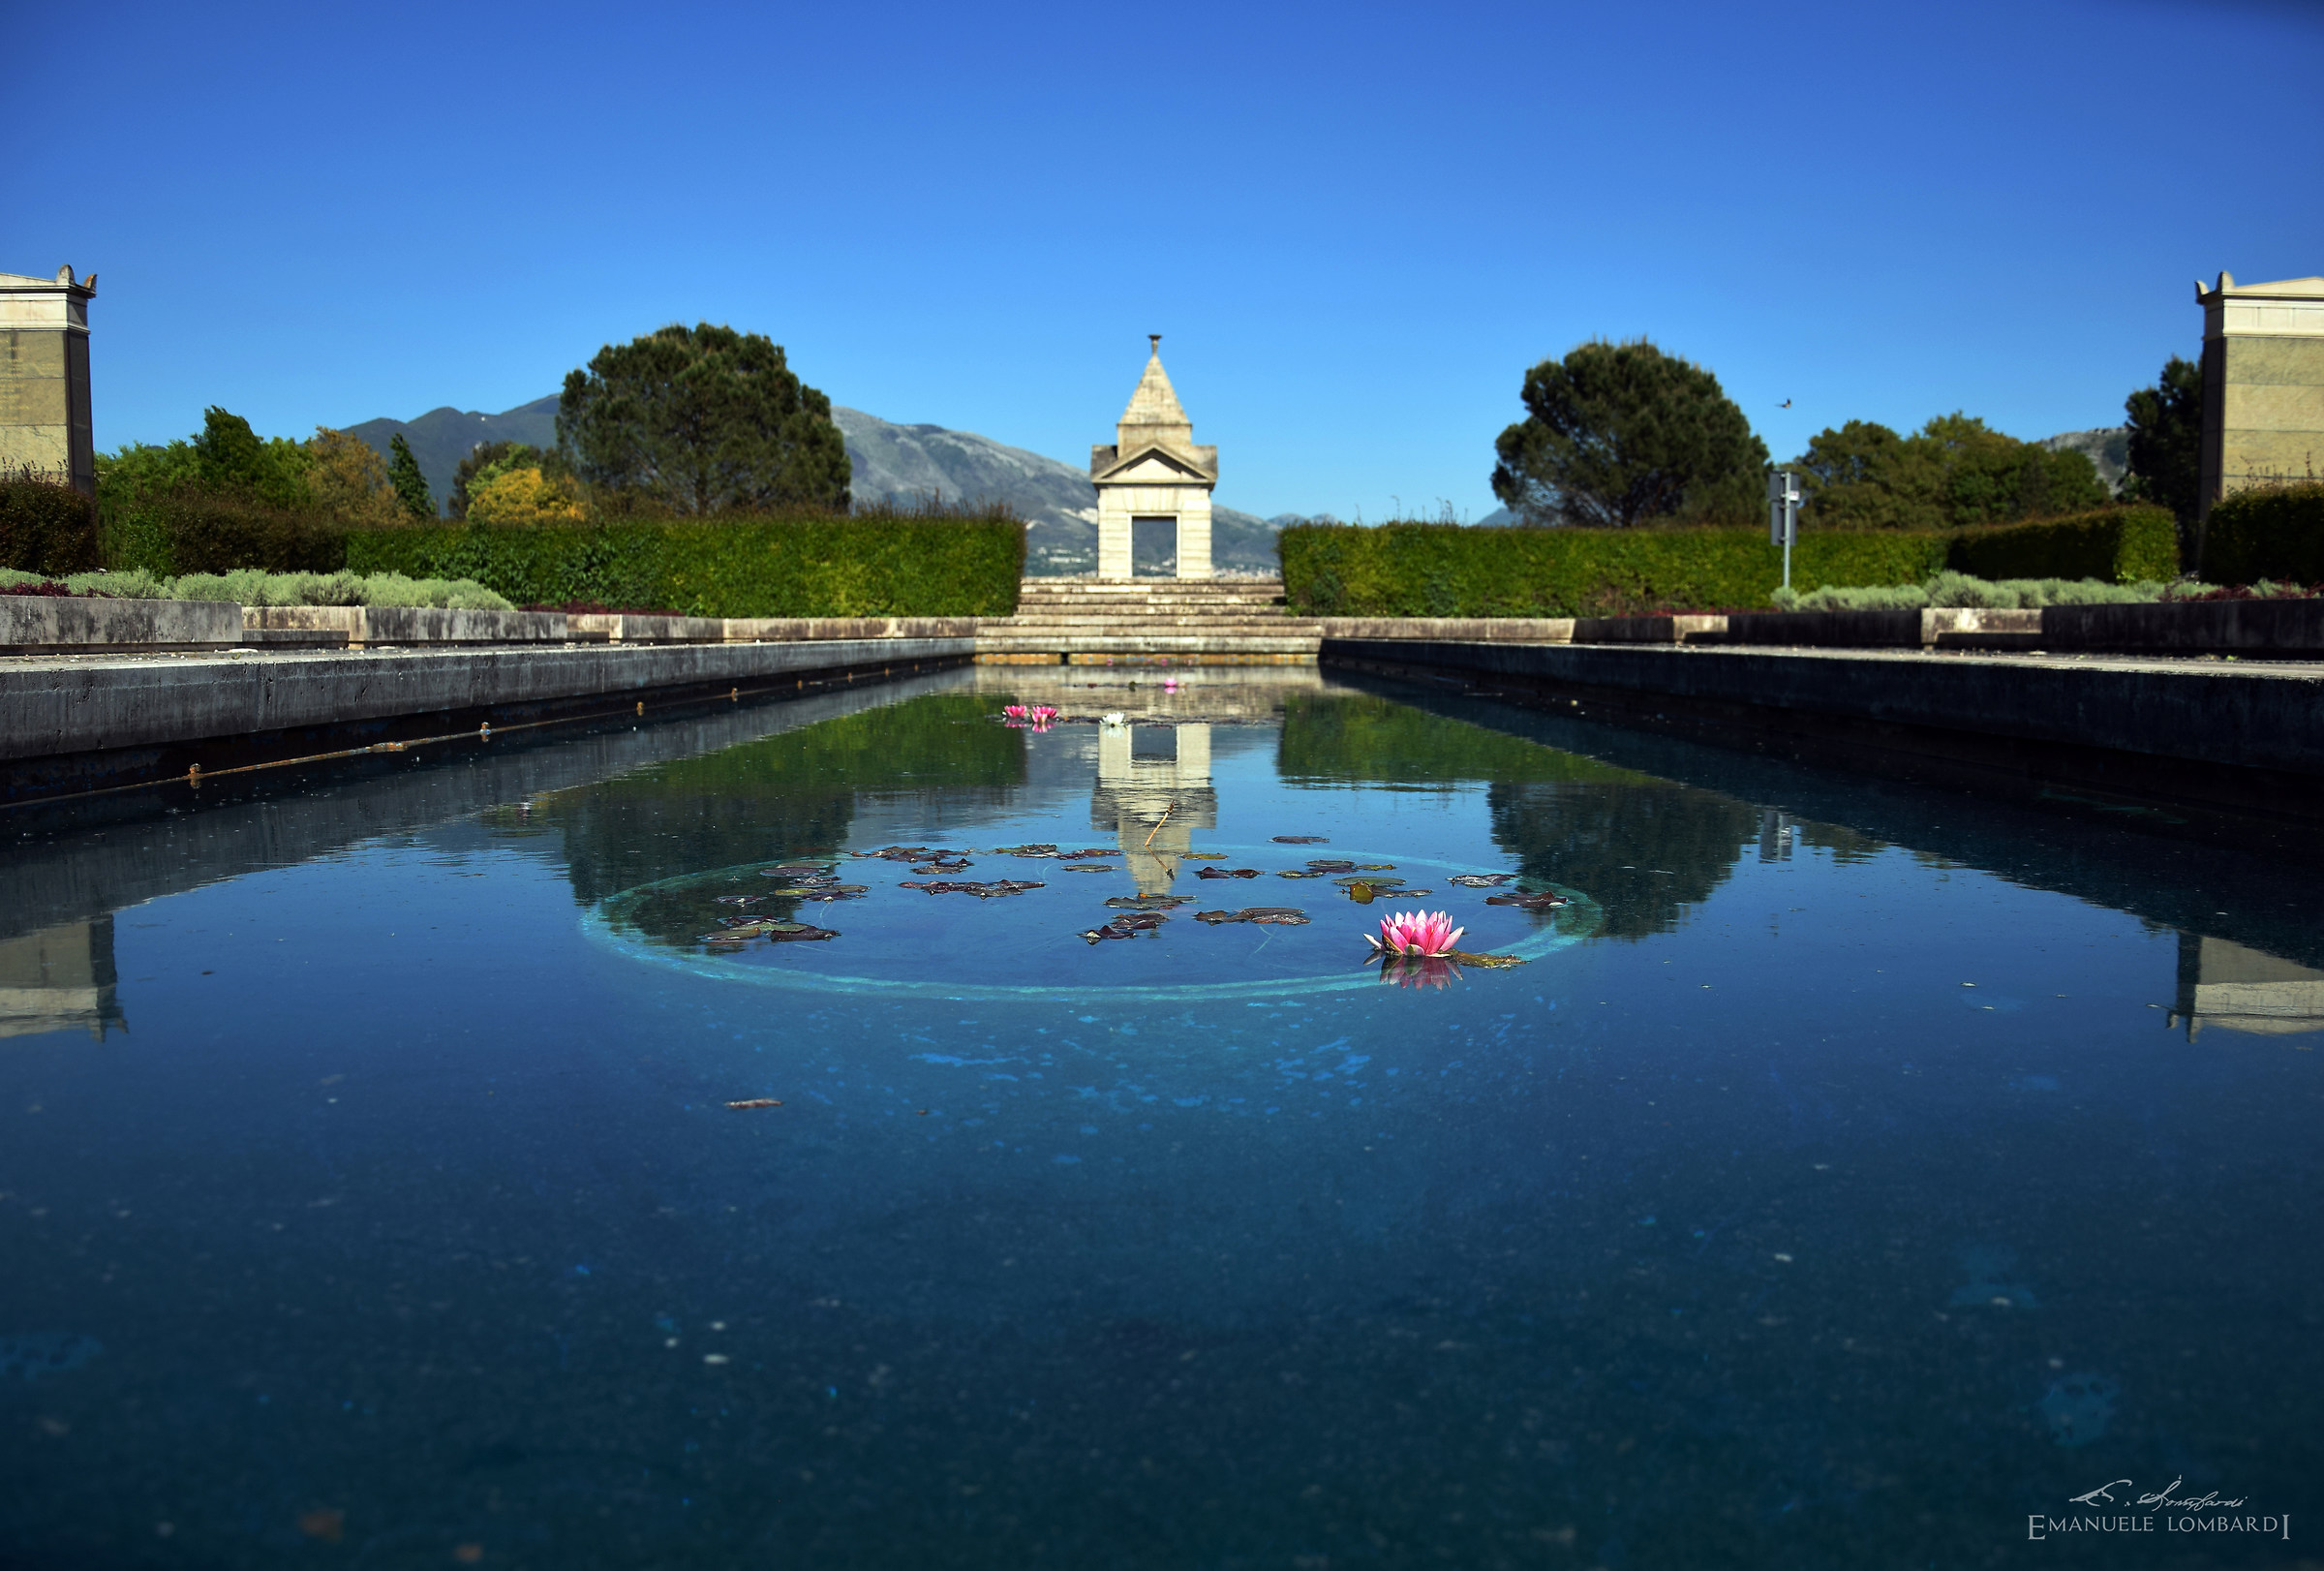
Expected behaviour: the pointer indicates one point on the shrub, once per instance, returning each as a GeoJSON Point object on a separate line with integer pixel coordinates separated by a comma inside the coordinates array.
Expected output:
{"type": "Point", "coordinates": [2270, 532]}
{"type": "Point", "coordinates": [2118, 546]}
{"type": "Point", "coordinates": [186, 529]}
{"type": "Point", "coordinates": [929, 562]}
{"type": "Point", "coordinates": [1444, 570]}
{"type": "Point", "coordinates": [1958, 589]}
{"type": "Point", "coordinates": [47, 527]}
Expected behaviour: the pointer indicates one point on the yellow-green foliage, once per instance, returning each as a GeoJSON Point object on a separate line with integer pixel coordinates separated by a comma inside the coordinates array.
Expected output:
{"type": "Point", "coordinates": [816, 566]}
{"type": "Point", "coordinates": [2273, 532]}
{"type": "Point", "coordinates": [524, 495]}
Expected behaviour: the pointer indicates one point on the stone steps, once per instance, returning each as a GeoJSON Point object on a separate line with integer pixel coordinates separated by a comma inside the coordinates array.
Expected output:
{"type": "Point", "coordinates": [1187, 618]}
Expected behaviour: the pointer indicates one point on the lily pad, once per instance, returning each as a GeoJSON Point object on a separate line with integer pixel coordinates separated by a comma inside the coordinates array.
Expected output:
{"type": "Point", "coordinates": [1094, 851]}
{"type": "Point", "coordinates": [1041, 850]}
{"type": "Point", "coordinates": [1128, 925]}
{"type": "Point", "coordinates": [737, 900]}
{"type": "Point", "coordinates": [946, 864]}
{"type": "Point", "coordinates": [1330, 864]}
{"type": "Point", "coordinates": [1365, 878]}
{"type": "Point", "coordinates": [1480, 880]}
{"type": "Point", "coordinates": [1527, 902]}
{"type": "Point", "coordinates": [797, 933]}
{"type": "Point", "coordinates": [1091, 867]}
{"type": "Point", "coordinates": [1148, 902]}
{"type": "Point", "coordinates": [912, 853]}
{"type": "Point", "coordinates": [1204, 857]}
{"type": "Point", "coordinates": [1486, 961]}
{"type": "Point", "coordinates": [1375, 866]}
{"type": "Point", "coordinates": [1301, 872]}
{"type": "Point", "coordinates": [982, 891]}
{"type": "Point", "coordinates": [1264, 915]}
{"type": "Point", "coordinates": [1303, 840]}
{"type": "Point", "coordinates": [1225, 873]}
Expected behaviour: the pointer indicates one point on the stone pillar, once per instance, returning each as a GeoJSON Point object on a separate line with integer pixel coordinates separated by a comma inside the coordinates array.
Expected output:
{"type": "Point", "coordinates": [45, 418]}
{"type": "Point", "coordinates": [2263, 383]}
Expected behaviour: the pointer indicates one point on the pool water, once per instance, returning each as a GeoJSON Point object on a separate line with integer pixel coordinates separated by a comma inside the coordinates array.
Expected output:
{"type": "Point", "coordinates": [1847, 1173]}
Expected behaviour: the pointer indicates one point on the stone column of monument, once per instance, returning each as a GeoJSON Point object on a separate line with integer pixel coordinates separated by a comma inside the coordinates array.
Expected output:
{"type": "Point", "coordinates": [2263, 383]}
{"type": "Point", "coordinates": [45, 422]}
{"type": "Point", "coordinates": [1152, 805]}
{"type": "Point", "coordinates": [1153, 470]}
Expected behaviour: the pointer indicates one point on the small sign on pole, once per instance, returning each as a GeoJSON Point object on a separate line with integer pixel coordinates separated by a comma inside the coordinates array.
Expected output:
{"type": "Point", "coordinates": [1783, 515]}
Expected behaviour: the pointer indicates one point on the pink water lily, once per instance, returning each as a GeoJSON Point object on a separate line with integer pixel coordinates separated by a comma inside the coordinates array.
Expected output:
{"type": "Point", "coordinates": [1416, 933]}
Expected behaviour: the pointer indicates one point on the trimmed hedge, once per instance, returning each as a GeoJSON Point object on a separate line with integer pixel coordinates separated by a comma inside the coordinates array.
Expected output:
{"type": "Point", "coordinates": [48, 528]}
{"type": "Point", "coordinates": [1445, 570]}
{"type": "Point", "coordinates": [2273, 532]}
{"type": "Point", "coordinates": [187, 529]}
{"type": "Point", "coordinates": [814, 566]}
{"type": "Point", "coordinates": [2115, 545]}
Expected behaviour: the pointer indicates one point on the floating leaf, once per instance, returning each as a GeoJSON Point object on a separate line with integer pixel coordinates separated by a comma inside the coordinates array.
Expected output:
{"type": "Point", "coordinates": [1303, 840]}
{"type": "Point", "coordinates": [1487, 962]}
{"type": "Point", "coordinates": [1204, 857]}
{"type": "Point", "coordinates": [1225, 873]}
{"type": "Point", "coordinates": [913, 854]}
{"type": "Point", "coordinates": [1375, 866]}
{"type": "Point", "coordinates": [1527, 902]}
{"type": "Point", "coordinates": [797, 933]}
{"type": "Point", "coordinates": [982, 891]}
{"type": "Point", "coordinates": [1479, 881]}
{"type": "Point", "coordinates": [1041, 850]}
{"type": "Point", "coordinates": [735, 900]}
{"type": "Point", "coordinates": [1301, 872]}
{"type": "Point", "coordinates": [1127, 925]}
{"type": "Point", "coordinates": [1097, 851]}
{"type": "Point", "coordinates": [947, 864]}
{"type": "Point", "coordinates": [754, 1101]}
{"type": "Point", "coordinates": [1362, 893]}
{"type": "Point", "coordinates": [1330, 864]}
{"type": "Point", "coordinates": [1366, 879]}
{"type": "Point", "coordinates": [1148, 902]}
{"type": "Point", "coordinates": [1265, 915]}
{"type": "Point", "coordinates": [1090, 867]}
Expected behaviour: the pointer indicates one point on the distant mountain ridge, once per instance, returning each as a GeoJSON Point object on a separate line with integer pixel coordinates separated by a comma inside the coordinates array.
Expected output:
{"type": "Point", "coordinates": [891, 462]}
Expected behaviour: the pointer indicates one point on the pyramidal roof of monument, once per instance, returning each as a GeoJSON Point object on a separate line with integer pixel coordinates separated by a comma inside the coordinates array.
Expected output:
{"type": "Point", "coordinates": [1156, 401]}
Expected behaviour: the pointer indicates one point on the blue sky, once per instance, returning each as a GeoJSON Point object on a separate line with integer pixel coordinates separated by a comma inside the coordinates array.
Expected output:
{"type": "Point", "coordinates": [1357, 226]}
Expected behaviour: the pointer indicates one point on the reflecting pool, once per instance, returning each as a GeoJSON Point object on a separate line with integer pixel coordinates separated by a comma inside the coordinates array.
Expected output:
{"type": "Point", "coordinates": [867, 1132]}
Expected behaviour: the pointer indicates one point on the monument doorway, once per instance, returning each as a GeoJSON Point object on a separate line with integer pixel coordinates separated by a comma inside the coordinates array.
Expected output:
{"type": "Point", "coordinates": [1154, 546]}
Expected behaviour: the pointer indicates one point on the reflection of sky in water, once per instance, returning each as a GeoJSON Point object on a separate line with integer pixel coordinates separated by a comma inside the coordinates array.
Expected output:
{"type": "Point", "coordinates": [1736, 1235]}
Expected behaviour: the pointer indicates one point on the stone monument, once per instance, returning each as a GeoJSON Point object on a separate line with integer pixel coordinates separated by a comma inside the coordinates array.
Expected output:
{"type": "Point", "coordinates": [2263, 383]}
{"type": "Point", "coordinates": [45, 378]}
{"type": "Point", "coordinates": [1153, 472]}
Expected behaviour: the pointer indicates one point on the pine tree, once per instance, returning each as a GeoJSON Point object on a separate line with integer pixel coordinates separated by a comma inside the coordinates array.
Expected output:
{"type": "Point", "coordinates": [411, 485]}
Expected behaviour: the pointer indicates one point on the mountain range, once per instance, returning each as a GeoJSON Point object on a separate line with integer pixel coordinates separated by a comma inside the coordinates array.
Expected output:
{"type": "Point", "coordinates": [900, 463]}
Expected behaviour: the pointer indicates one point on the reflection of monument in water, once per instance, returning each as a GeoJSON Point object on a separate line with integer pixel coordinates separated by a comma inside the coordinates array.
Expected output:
{"type": "Point", "coordinates": [60, 978]}
{"type": "Point", "coordinates": [2226, 985]}
{"type": "Point", "coordinates": [1152, 799]}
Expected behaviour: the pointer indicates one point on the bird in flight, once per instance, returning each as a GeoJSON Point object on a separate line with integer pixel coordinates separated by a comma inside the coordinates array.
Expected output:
{"type": "Point", "coordinates": [1785, 404]}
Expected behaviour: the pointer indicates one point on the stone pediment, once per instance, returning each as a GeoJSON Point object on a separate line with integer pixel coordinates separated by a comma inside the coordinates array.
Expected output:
{"type": "Point", "coordinates": [1155, 465]}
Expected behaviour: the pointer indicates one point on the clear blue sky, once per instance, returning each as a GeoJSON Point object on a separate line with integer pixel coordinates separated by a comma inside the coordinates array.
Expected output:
{"type": "Point", "coordinates": [1356, 225]}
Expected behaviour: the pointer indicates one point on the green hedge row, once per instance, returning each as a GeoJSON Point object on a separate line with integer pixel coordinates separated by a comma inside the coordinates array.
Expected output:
{"type": "Point", "coordinates": [865, 566]}
{"type": "Point", "coordinates": [187, 529]}
{"type": "Point", "coordinates": [1444, 570]}
{"type": "Point", "coordinates": [48, 528]}
{"type": "Point", "coordinates": [2276, 532]}
{"type": "Point", "coordinates": [2115, 545]}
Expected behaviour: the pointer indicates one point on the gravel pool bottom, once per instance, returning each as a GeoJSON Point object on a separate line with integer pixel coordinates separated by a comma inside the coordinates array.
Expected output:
{"type": "Point", "coordinates": [1835, 1183]}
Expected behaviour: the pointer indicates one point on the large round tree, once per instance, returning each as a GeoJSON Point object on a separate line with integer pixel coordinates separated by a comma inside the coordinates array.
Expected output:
{"type": "Point", "coordinates": [1617, 435]}
{"type": "Point", "coordinates": [701, 420]}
